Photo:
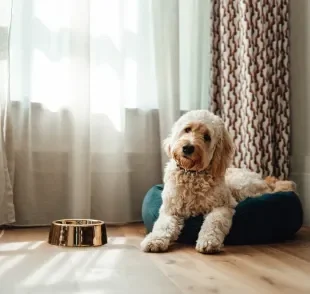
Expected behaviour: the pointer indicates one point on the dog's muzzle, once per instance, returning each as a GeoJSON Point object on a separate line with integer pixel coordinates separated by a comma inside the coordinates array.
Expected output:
{"type": "Point", "coordinates": [188, 149]}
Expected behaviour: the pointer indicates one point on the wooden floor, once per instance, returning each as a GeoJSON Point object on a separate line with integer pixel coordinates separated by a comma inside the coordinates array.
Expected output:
{"type": "Point", "coordinates": [276, 268]}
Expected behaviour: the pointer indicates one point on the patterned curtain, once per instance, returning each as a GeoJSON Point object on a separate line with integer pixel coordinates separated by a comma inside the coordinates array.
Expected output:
{"type": "Point", "coordinates": [250, 81]}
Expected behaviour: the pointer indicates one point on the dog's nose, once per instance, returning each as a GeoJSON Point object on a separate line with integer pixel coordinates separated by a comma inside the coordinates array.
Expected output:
{"type": "Point", "coordinates": [188, 149]}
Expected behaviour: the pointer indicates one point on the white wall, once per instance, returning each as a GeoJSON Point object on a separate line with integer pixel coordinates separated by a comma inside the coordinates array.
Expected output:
{"type": "Point", "coordinates": [300, 99]}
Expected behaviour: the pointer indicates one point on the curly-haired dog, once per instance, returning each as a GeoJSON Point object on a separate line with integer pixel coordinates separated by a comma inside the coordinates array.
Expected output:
{"type": "Point", "coordinates": [200, 151]}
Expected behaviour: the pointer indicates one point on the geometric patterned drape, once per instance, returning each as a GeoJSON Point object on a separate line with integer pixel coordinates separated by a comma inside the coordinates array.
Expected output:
{"type": "Point", "coordinates": [250, 81]}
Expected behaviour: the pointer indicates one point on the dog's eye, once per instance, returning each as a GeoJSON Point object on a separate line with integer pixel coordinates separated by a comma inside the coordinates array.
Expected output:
{"type": "Point", "coordinates": [207, 138]}
{"type": "Point", "coordinates": [187, 130]}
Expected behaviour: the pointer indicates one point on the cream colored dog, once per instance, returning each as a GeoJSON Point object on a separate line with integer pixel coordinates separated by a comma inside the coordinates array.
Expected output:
{"type": "Point", "coordinates": [198, 181]}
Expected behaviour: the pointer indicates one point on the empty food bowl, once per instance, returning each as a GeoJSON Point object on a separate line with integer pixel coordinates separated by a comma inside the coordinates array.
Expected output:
{"type": "Point", "coordinates": [77, 233]}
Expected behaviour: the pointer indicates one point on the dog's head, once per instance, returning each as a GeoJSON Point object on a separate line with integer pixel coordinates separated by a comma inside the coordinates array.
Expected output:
{"type": "Point", "coordinates": [199, 141]}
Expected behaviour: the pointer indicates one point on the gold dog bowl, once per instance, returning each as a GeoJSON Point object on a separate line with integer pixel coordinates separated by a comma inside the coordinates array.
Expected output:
{"type": "Point", "coordinates": [78, 233]}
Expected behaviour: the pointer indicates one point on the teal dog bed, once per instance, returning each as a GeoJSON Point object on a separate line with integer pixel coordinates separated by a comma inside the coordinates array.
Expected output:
{"type": "Point", "coordinates": [266, 219]}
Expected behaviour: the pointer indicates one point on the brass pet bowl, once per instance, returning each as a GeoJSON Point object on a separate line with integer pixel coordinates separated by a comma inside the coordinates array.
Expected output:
{"type": "Point", "coordinates": [78, 233]}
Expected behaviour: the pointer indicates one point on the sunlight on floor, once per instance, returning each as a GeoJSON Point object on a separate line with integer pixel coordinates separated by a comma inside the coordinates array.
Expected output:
{"type": "Point", "coordinates": [118, 267]}
{"type": "Point", "coordinates": [35, 245]}
{"type": "Point", "coordinates": [10, 263]}
{"type": "Point", "coordinates": [13, 246]}
{"type": "Point", "coordinates": [117, 240]}
{"type": "Point", "coordinates": [41, 273]}
{"type": "Point", "coordinates": [37, 267]}
{"type": "Point", "coordinates": [84, 264]}
{"type": "Point", "coordinates": [63, 271]}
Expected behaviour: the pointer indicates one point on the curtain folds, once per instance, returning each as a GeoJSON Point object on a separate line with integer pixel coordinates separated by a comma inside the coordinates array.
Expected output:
{"type": "Point", "coordinates": [95, 86]}
{"type": "Point", "coordinates": [250, 81]}
{"type": "Point", "coordinates": [7, 212]}
{"type": "Point", "coordinates": [90, 88]}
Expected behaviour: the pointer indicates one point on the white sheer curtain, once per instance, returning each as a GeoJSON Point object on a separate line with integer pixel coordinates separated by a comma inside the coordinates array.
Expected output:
{"type": "Point", "coordinates": [7, 212]}
{"type": "Point", "coordinates": [95, 85]}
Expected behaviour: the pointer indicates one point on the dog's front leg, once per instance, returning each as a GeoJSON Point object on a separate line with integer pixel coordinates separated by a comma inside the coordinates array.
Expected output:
{"type": "Point", "coordinates": [166, 229]}
{"type": "Point", "coordinates": [214, 229]}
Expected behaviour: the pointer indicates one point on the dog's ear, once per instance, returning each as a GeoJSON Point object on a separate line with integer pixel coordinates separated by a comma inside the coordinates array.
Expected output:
{"type": "Point", "coordinates": [223, 154]}
{"type": "Point", "coordinates": [167, 146]}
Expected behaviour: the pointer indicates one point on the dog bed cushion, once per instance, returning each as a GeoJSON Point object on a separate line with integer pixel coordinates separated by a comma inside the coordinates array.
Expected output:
{"type": "Point", "coordinates": [265, 219]}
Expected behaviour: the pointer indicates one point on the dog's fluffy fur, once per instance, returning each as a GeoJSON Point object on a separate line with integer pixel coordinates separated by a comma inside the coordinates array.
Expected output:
{"type": "Point", "coordinates": [202, 182]}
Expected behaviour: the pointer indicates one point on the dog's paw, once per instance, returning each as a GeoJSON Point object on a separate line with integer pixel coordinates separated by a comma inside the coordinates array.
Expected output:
{"type": "Point", "coordinates": [283, 186]}
{"type": "Point", "coordinates": [154, 244]}
{"type": "Point", "coordinates": [208, 246]}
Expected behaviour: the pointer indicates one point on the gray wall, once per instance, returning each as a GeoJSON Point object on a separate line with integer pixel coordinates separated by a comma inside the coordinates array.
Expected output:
{"type": "Point", "coordinates": [300, 99]}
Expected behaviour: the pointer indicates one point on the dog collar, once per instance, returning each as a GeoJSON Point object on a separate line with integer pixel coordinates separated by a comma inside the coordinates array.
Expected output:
{"type": "Point", "coordinates": [188, 171]}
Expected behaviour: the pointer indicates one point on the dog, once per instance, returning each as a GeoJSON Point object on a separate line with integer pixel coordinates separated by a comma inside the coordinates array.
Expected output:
{"type": "Point", "coordinates": [199, 180]}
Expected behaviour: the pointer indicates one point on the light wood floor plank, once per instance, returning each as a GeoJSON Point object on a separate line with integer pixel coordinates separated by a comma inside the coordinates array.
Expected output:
{"type": "Point", "coordinates": [274, 268]}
